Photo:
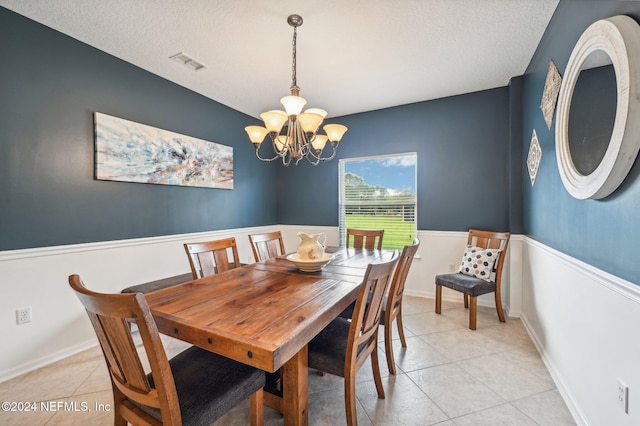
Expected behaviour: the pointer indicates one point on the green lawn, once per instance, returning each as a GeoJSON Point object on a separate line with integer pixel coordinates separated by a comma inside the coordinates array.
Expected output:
{"type": "Point", "coordinates": [397, 232]}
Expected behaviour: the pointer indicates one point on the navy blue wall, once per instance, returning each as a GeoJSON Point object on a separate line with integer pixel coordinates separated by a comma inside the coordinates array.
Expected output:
{"type": "Point", "coordinates": [603, 233]}
{"type": "Point", "coordinates": [50, 85]}
{"type": "Point", "coordinates": [463, 163]}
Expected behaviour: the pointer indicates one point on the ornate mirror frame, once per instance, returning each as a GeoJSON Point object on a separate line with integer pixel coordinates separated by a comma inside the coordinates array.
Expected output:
{"type": "Point", "coordinates": [618, 37]}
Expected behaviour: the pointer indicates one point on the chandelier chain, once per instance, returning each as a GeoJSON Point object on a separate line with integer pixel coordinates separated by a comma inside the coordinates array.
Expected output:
{"type": "Point", "coordinates": [294, 81]}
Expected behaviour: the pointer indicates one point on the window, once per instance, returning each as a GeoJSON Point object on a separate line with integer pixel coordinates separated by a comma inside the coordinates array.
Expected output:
{"type": "Point", "coordinates": [379, 193]}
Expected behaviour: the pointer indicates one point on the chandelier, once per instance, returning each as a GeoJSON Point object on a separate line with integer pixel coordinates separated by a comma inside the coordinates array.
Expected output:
{"type": "Point", "coordinates": [300, 137]}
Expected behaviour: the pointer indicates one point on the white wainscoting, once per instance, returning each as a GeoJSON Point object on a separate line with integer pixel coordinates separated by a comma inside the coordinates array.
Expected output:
{"type": "Point", "coordinates": [583, 321]}
{"type": "Point", "coordinates": [585, 324]}
{"type": "Point", "coordinates": [60, 327]}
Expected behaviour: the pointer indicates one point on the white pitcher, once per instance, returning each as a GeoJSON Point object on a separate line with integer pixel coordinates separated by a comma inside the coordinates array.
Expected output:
{"type": "Point", "coordinates": [311, 248]}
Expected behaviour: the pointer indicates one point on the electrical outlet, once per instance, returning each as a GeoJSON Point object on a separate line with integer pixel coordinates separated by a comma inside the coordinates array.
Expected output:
{"type": "Point", "coordinates": [452, 267]}
{"type": "Point", "coordinates": [23, 315]}
{"type": "Point", "coordinates": [623, 396]}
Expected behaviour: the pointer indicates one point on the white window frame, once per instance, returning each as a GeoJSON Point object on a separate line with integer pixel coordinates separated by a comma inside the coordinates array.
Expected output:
{"type": "Point", "coordinates": [342, 204]}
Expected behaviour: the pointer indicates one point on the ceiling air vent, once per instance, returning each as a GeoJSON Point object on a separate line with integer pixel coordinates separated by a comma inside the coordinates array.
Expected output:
{"type": "Point", "coordinates": [187, 61]}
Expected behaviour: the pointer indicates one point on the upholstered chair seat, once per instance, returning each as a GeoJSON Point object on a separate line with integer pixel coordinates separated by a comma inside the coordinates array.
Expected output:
{"type": "Point", "coordinates": [221, 384]}
{"type": "Point", "coordinates": [466, 284]}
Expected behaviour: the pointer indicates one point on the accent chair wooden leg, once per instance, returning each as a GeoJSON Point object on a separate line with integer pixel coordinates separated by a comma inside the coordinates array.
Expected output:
{"type": "Point", "coordinates": [499, 307]}
{"type": "Point", "coordinates": [401, 327]}
{"type": "Point", "coordinates": [438, 299]}
{"type": "Point", "coordinates": [256, 408]}
{"type": "Point", "coordinates": [350, 396]}
{"type": "Point", "coordinates": [388, 346]}
{"type": "Point", "coordinates": [473, 311]}
{"type": "Point", "coordinates": [466, 301]}
{"type": "Point", "coordinates": [377, 378]}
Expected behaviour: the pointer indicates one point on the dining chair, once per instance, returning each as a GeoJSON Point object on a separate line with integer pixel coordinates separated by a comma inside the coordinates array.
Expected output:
{"type": "Point", "coordinates": [392, 305]}
{"type": "Point", "coordinates": [365, 238]}
{"type": "Point", "coordinates": [343, 346]}
{"type": "Point", "coordinates": [267, 245]}
{"type": "Point", "coordinates": [212, 257]}
{"type": "Point", "coordinates": [480, 272]}
{"type": "Point", "coordinates": [193, 388]}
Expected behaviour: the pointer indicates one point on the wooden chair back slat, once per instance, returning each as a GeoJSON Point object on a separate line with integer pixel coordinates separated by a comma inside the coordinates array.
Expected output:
{"type": "Point", "coordinates": [212, 257]}
{"type": "Point", "coordinates": [267, 245]}
{"type": "Point", "coordinates": [365, 238]}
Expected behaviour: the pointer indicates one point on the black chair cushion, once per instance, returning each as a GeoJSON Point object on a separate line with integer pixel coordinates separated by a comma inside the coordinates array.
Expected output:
{"type": "Point", "coordinates": [466, 284]}
{"type": "Point", "coordinates": [209, 385]}
{"type": "Point", "coordinates": [348, 313]}
{"type": "Point", "coordinates": [157, 285]}
{"type": "Point", "coordinates": [327, 351]}
{"type": "Point", "coordinates": [166, 282]}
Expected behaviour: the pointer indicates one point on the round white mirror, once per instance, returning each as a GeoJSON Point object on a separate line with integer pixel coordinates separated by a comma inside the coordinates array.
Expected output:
{"type": "Point", "coordinates": [593, 112]}
{"type": "Point", "coordinates": [597, 169]}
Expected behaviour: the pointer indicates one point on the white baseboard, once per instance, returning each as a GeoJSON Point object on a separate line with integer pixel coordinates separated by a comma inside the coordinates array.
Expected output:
{"type": "Point", "coordinates": [47, 359]}
{"type": "Point", "coordinates": [583, 322]}
{"type": "Point", "coordinates": [556, 376]}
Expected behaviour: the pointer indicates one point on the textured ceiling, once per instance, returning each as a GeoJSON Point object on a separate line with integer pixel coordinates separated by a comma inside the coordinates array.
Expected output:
{"type": "Point", "coordinates": [353, 56]}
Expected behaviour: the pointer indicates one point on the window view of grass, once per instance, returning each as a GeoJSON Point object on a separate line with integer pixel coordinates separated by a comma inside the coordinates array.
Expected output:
{"type": "Point", "coordinates": [402, 235]}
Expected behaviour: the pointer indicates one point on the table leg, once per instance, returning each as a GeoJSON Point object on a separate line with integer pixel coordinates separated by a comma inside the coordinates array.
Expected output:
{"type": "Point", "coordinates": [295, 389]}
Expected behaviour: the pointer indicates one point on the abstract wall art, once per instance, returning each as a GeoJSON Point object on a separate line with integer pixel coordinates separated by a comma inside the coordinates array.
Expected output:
{"type": "Point", "coordinates": [126, 151]}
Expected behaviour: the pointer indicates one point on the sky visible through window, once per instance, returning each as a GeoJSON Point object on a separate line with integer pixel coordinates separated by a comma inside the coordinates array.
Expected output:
{"type": "Point", "coordinates": [395, 173]}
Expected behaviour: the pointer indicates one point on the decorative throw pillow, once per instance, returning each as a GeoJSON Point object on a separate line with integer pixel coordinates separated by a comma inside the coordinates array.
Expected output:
{"type": "Point", "coordinates": [478, 262]}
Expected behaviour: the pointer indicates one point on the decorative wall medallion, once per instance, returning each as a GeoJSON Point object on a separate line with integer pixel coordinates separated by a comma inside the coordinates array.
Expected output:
{"type": "Point", "coordinates": [534, 157]}
{"type": "Point", "coordinates": [550, 93]}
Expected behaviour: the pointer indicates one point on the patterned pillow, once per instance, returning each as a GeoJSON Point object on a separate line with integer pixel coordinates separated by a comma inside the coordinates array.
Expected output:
{"type": "Point", "coordinates": [478, 262]}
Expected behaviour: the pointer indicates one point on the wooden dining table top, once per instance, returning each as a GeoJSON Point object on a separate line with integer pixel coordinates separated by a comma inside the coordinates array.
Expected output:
{"type": "Point", "coordinates": [262, 314]}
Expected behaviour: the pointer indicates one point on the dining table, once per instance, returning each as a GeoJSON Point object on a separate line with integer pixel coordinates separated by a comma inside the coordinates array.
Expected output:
{"type": "Point", "coordinates": [264, 314]}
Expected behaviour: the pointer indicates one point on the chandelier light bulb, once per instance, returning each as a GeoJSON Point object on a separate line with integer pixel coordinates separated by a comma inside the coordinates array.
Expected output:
{"type": "Point", "coordinates": [309, 121]}
{"type": "Point", "coordinates": [293, 104]}
{"type": "Point", "coordinates": [335, 131]}
{"type": "Point", "coordinates": [319, 141]}
{"type": "Point", "coordinates": [318, 111]}
{"type": "Point", "coordinates": [282, 143]}
{"type": "Point", "coordinates": [256, 133]}
{"type": "Point", "coordinates": [274, 120]}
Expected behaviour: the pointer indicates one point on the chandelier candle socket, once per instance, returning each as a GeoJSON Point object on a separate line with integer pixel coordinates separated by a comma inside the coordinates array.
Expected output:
{"type": "Point", "coordinates": [300, 138]}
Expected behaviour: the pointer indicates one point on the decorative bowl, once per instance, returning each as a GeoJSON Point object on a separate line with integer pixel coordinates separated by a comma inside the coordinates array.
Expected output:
{"type": "Point", "coordinates": [310, 265]}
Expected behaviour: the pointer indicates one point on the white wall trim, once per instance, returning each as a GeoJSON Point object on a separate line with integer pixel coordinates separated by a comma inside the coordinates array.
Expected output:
{"type": "Point", "coordinates": [619, 285]}
{"type": "Point", "coordinates": [133, 242]}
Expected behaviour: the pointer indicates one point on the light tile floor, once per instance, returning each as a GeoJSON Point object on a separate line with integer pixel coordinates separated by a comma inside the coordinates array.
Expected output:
{"type": "Point", "coordinates": [448, 375]}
